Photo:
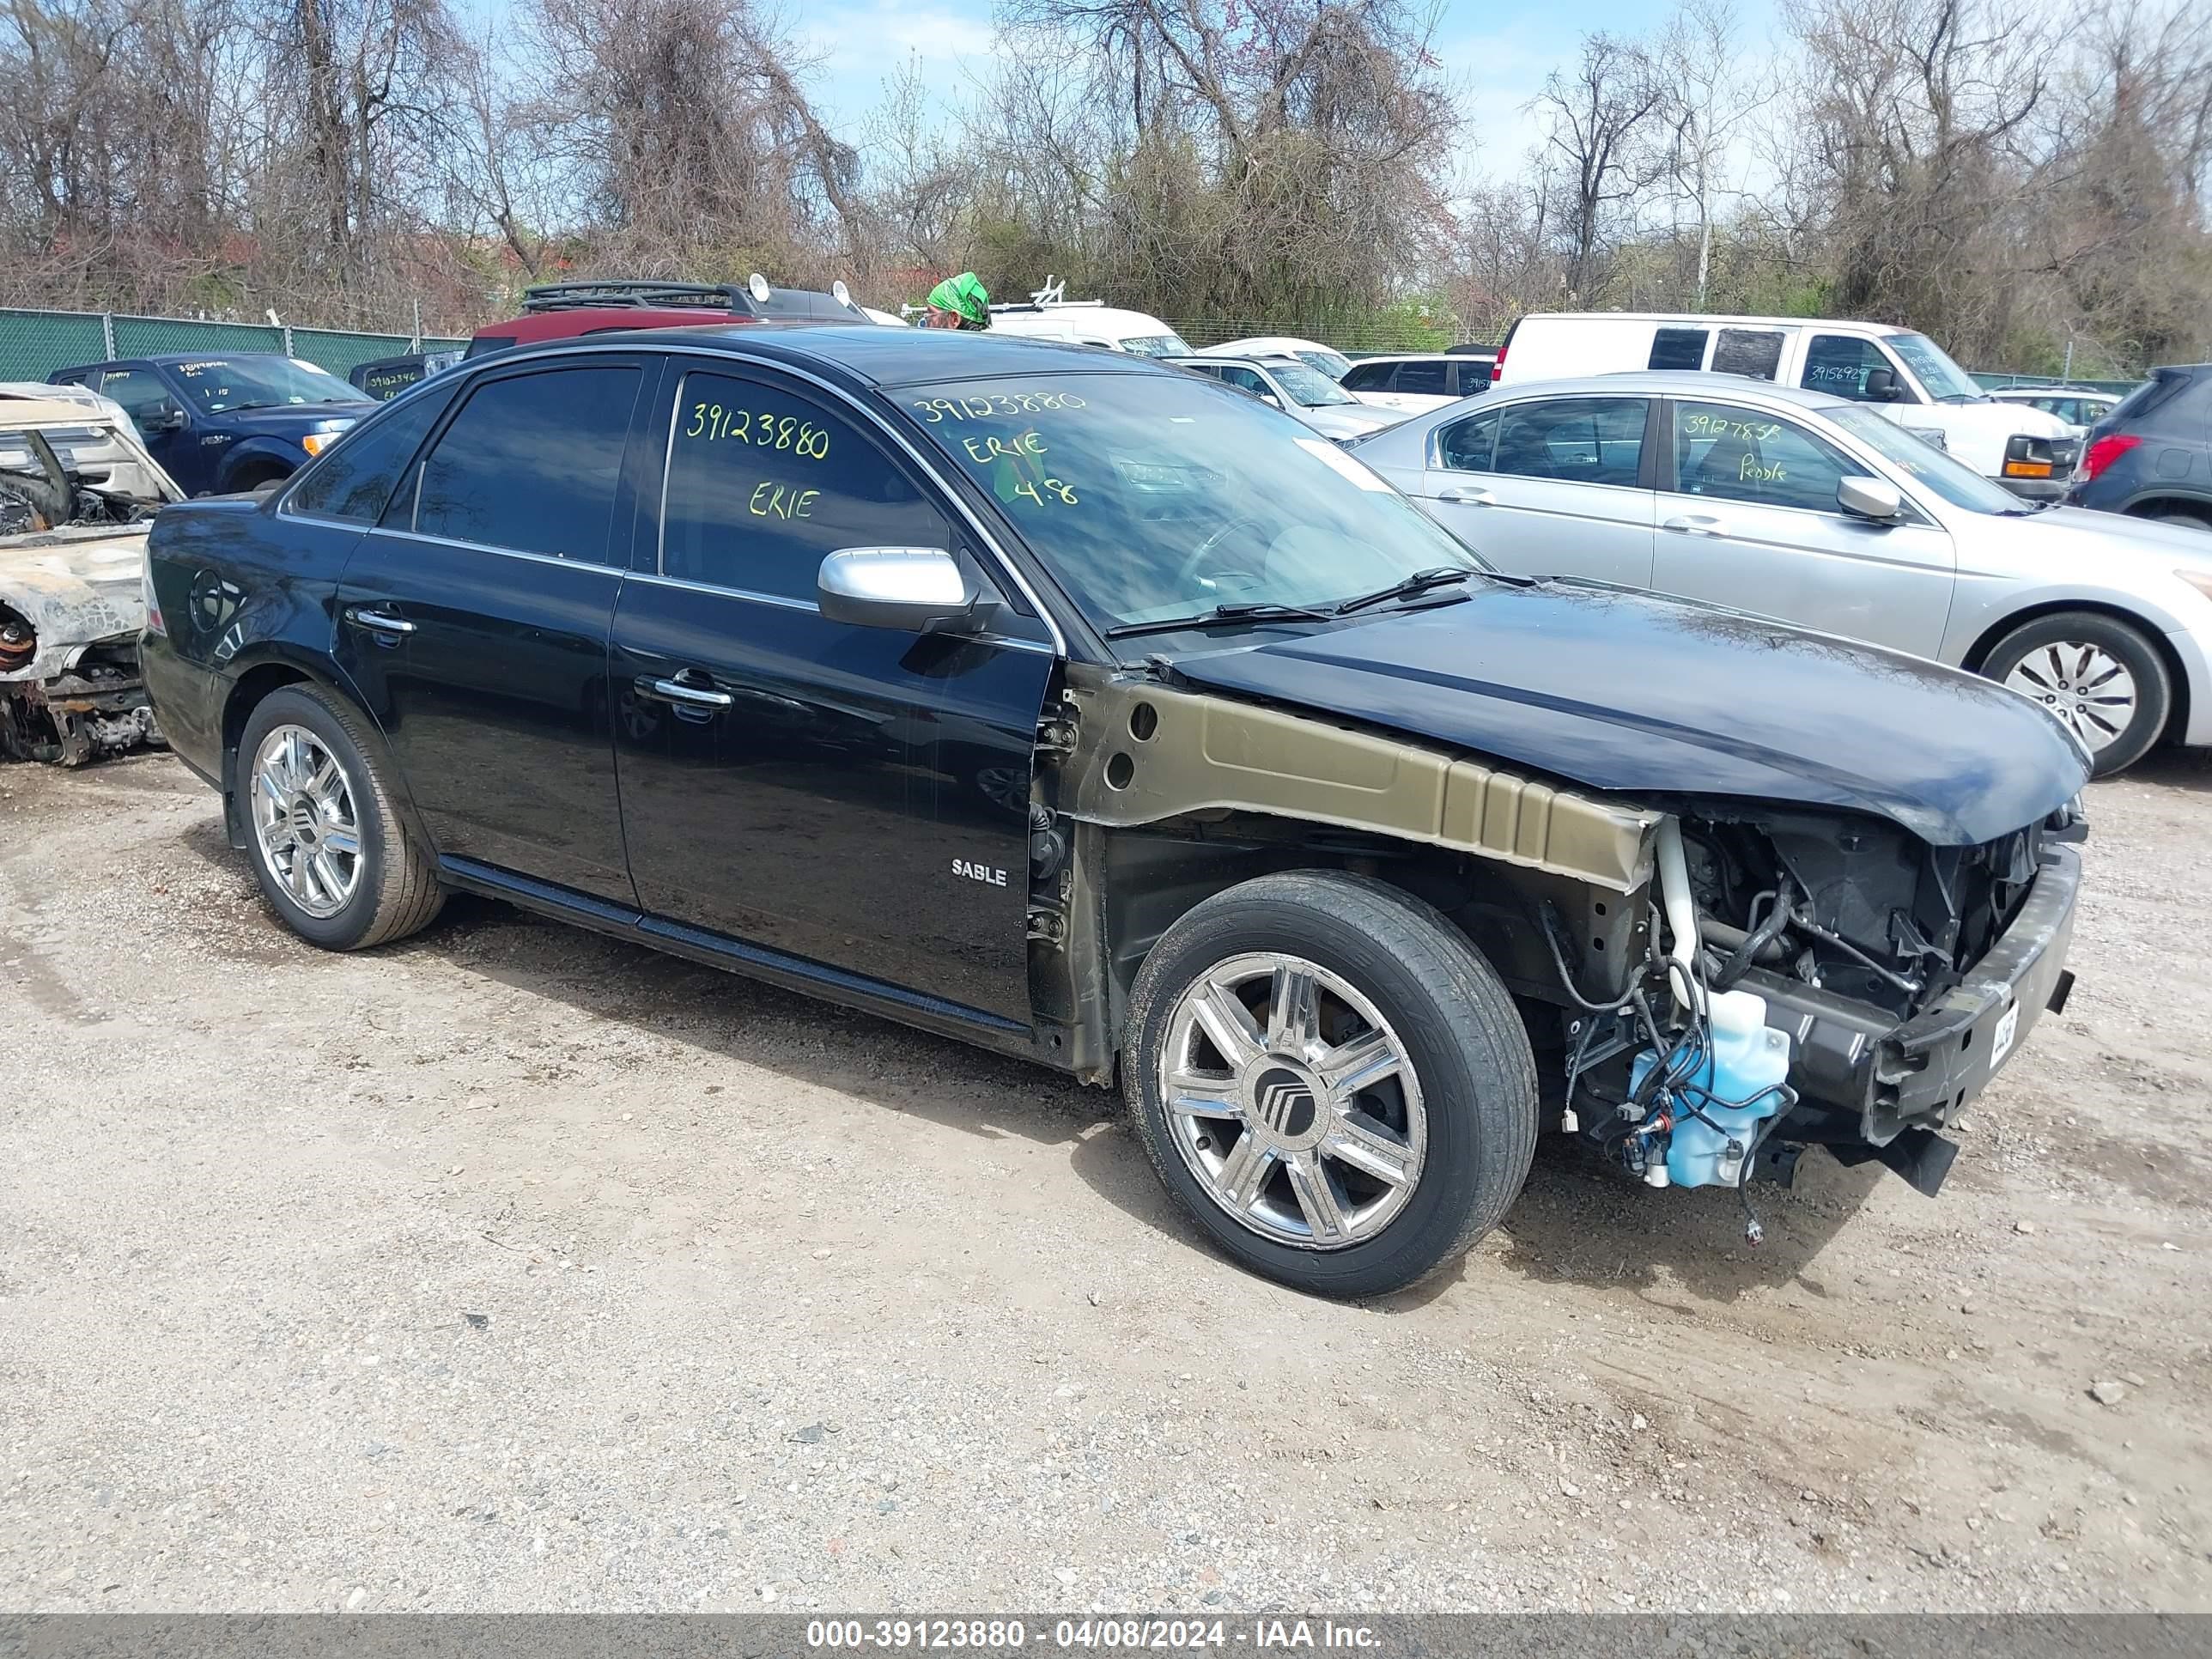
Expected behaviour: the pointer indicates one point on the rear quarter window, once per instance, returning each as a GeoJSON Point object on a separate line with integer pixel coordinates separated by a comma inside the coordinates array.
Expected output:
{"type": "Point", "coordinates": [354, 478]}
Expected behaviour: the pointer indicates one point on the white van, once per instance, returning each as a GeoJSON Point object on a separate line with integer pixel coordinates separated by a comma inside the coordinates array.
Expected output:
{"type": "Point", "coordinates": [1049, 316]}
{"type": "Point", "coordinates": [1915, 383]}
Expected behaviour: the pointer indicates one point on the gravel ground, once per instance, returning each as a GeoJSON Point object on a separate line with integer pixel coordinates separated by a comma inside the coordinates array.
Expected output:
{"type": "Point", "coordinates": [514, 1268]}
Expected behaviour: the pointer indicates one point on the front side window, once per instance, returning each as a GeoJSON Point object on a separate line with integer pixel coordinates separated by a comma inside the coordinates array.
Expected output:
{"type": "Point", "coordinates": [1839, 364]}
{"type": "Point", "coordinates": [354, 478]}
{"type": "Point", "coordinates": [1947, 383]}
{"type": "Point", "coordinates": [1735, 454]}
{"type": "Point", "coordinates": [763, 485]}
{"type": "Point", "coordinates": [1245, 380]}
{"type": "Point", "coordinates": [225, 386]}
{"type": "Point", "coordinates": [142, 393]}
{"type": "Point", "coordinates": [1573, 439]}
{"type": "Point", "coordinates": [1678, 348]}
{"type": "Point", "coordinates": [1368, 377]}
{"type": "Point", "coordinates": [530, 464]}
{"type": "Point", "coordinates": [1466, 446]}
{"type": "Point", "coordinates": [1753, 351]}
{"type": "Point", "coordinates": [1148, 497]}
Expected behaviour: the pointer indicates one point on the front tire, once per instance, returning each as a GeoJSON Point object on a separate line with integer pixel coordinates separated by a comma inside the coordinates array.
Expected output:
{"type": "Point", "coordinates": [1331, 1081]}
{"type": "Point", "coordinates": [335, 859]}
{"type": "Point", "coordinates": [2100, 677]}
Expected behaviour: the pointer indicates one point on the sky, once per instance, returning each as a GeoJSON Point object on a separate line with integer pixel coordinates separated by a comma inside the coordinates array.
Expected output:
{"type": "Point", "coordinates": [1498, 56]}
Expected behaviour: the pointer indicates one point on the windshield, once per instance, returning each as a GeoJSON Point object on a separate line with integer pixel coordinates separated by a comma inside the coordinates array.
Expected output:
{"type": "Point", "coordinates": [219, 385]}
{"type": "Point", "coordinates": [1946, 381]}
{"type": "Point", "coordinates": [1957, 483]}
{"type": "Point", "coordinates": [1334, 364]}
{"type": "Point", "coordinates": [1308, 387]}
{"type": "Point", "coordinates": [1156, 345]}
{"type": "Point", "coordinates": [1154, 496]}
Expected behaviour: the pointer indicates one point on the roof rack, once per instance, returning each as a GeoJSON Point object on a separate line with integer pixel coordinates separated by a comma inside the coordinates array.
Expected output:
{"type": "Point", "coordinates": [1051, 297]}
{"type": "Point", "coordinates": [752, 298]}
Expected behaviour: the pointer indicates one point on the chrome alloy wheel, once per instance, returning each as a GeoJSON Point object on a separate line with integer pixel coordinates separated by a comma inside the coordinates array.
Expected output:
{"type": "Point", "coordinates": [303, 821]}
{"type": "Point", "coordinates": [2084, 685]}
{"type": "Point", "coordinates": [1293, 1102]}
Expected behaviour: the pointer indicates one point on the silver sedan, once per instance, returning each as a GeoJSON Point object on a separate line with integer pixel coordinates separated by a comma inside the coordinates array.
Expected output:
{"type": "Point", "coordinates": [1824, 512]}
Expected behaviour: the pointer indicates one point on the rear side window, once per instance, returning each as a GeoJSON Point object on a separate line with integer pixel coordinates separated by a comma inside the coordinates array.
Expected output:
{"type": "Point", "coordinates": [1678, 348]}
{"type": "Point", "coordinates": [763, 485]}
{"type": "Point", "coordinates": [355, 476]}
{"type": "Point", "coordinates": [1753, 351]}
{"type": "Point", "coordinates": [1368, 377]}
{"type": "Point", "coordinates": [1574, 439]}
{"type": "Point", "coordinates": [1425, 379]}
{"type": "Point", "coordinates": [1473, 376]}
{"type": "Point", "coordinates": [530, 464]}
{"type": "Point", "coordinates": [1465, 446]}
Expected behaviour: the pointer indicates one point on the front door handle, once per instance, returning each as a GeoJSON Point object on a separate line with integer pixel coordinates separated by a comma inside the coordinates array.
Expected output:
{"type": "Point", "coordinates": [379, 622]}
{"type": "Point", "coordinates": [677, 691]}
{"type": "Point", "coordinates": [1694, 523]}
{"type": "Point", "coordinates": [1468, 498]}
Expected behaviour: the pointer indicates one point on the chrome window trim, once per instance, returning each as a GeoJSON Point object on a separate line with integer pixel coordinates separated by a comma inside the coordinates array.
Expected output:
{"type": "Point", "coordinates": [783, 602]}
{"type": "Point", "coordinates": [411, 535]}
{"type": "Point", "coordinates": [873, 423]}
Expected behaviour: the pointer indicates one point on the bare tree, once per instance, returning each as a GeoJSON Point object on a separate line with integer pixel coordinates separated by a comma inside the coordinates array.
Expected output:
{"type": "Point", "coordinates": [1599, 116]}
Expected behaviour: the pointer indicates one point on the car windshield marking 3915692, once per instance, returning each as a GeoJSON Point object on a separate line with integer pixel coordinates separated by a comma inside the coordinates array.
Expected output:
{"type": "Point", "coordinates": [1153, 499]}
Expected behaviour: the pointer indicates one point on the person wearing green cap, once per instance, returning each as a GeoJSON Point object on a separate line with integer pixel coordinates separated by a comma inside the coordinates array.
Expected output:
{"type": "Point", "coordinates": [959, 302]}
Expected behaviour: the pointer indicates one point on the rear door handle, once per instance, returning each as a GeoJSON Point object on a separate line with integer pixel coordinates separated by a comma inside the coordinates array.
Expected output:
{"type": "Point", "coordinates": [677, 691]}
{"type": "Point", "coordinates": [1694, 523]}
{"type": "Point", "coordinates": [1468, 498]}
{"type": "Point", "coordinates": [379, 622]}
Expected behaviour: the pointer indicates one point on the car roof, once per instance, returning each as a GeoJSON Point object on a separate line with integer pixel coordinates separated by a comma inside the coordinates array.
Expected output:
{"type": "Point", "coordinates": [868, 354]}
{"type": "Point", "coordinates": [1419, 356]}
{"type": "Point", "coordinates": [1250, 359]}
{"type": "Point", "coordinates": [17, 413]}
{"type": "Point", "coordinates": [1692, 319]}
{"type": "Point", "coordinates": [1672, 383]}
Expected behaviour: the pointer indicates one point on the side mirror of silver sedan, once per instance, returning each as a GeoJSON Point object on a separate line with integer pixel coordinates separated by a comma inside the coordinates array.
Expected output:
{"type": "Point", "coordinates": [1869, 498]}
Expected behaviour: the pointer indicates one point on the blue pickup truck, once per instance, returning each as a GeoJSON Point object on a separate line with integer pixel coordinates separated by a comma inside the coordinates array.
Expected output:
{"type": "Point", "coordinates": [224, 423]}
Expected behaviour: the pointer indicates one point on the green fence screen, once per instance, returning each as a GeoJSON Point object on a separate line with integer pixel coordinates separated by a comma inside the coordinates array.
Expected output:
{"type": "Point", "coordinates": [35, 343]}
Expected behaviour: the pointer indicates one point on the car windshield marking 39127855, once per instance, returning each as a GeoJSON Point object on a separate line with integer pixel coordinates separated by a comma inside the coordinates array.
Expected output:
{"type": "Point", "coordinates": [1152, 499]}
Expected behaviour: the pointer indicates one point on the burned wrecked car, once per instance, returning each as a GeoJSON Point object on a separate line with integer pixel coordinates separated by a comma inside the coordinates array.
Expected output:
{"type": "Point", "coordinates": [1069, 705]}
{"type": "Point", "coordinates": [77, 491]}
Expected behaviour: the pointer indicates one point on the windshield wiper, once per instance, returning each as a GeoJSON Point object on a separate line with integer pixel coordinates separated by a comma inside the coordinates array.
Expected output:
{"type": "Point", "coordinates": [1223, 616]}
{"type": "Point", "coordinates": [1420, 583]}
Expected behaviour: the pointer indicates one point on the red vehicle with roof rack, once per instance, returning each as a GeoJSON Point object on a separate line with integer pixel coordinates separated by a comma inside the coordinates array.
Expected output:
{"type": "Point", "coordinates": [564, 311]}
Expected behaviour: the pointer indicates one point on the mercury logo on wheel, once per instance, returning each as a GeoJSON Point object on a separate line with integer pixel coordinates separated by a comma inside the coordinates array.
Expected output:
{"type": "Point", "coordinates": [1285, 1104]}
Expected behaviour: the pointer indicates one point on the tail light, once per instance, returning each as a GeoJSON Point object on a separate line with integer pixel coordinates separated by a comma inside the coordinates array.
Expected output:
{"type": "Point", "coordinates": [1498, 366]}
{"type": "Point", "coordinates": [2106, 450]}
{"type": "Point", "coordinates": [154, 625]}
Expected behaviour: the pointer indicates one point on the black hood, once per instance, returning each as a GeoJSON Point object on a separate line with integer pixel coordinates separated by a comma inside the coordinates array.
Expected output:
{"type": "Point", "coordinates": [1620, 691]}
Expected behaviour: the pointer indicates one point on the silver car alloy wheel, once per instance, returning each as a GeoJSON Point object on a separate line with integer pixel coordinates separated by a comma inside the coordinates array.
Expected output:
{"type": "Point", "coordinates": [2085, 685]}
{"type": "Point", "coordinates": [1293, 1102]}
{"type": "Point", "coordinates": [303, 821]}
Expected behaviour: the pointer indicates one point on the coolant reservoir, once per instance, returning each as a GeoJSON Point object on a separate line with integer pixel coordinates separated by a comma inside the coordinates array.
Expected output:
{"type": "Point", "coordinates": [1749, 1062]}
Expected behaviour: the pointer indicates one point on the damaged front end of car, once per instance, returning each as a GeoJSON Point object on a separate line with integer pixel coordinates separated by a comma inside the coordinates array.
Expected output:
{"type": "Point", "coordinates": [76, 496]}
{"type": "Point", "coordinates": [1797, 977]}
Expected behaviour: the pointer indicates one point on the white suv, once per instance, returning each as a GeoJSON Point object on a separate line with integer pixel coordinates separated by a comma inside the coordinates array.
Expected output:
{"type": "Point", "coordinates": [1907, 375]}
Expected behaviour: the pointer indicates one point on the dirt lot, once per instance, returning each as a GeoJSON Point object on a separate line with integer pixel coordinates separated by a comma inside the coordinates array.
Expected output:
{"type": "Point", "coordinates": [513, 1268]}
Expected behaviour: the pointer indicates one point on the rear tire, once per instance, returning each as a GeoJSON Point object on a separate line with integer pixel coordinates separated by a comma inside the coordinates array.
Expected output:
{"type": "Point", "coordinates": [1370, 1112]}
{"type": "Point", "coordinates": [334, 858]}
{"type": "Point", "coordinates": [2185, 520]}
{"type": "Point", "coordinates": [2079, 664]}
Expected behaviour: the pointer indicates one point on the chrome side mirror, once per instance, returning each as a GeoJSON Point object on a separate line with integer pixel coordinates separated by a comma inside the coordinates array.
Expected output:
{"type": "Point", "coordinates": [1870, 498]}
{"type": "Point", "coordinates": [921, 590]}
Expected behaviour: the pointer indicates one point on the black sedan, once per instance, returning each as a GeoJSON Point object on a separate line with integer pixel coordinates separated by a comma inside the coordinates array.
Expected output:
{"type": "Point", "coordinates": [1056, 701]}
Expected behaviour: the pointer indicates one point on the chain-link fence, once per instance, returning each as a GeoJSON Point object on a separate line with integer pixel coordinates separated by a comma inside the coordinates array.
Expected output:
{"type": "Point", "coordinates": [35, 343]}
{"type": "Point", "coordinates": [1354, 336]}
